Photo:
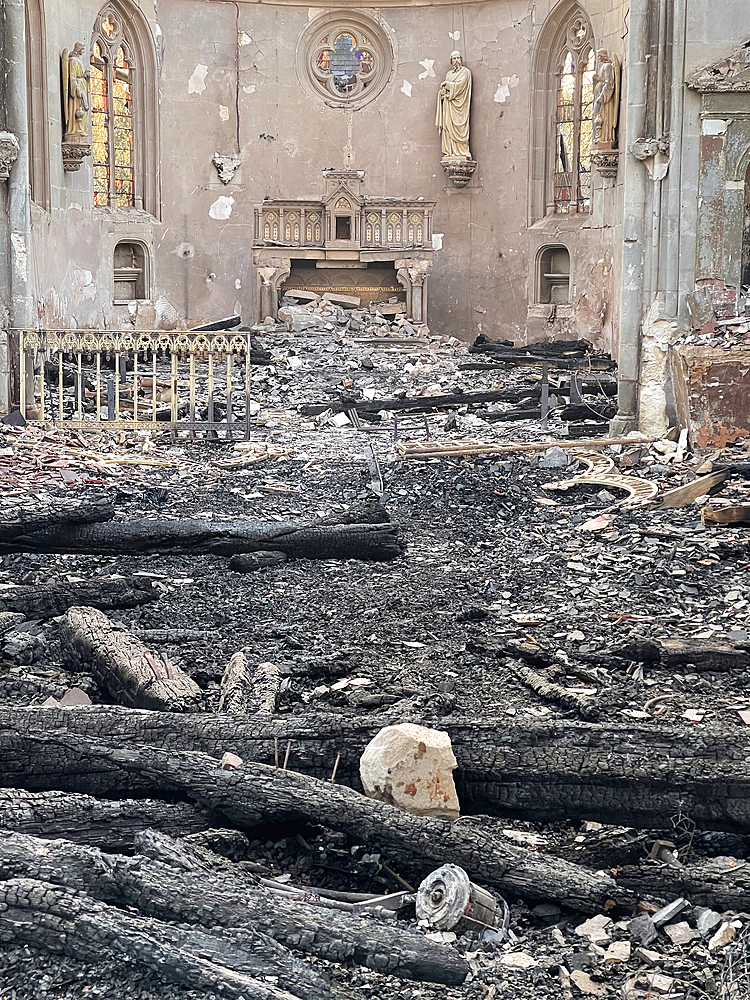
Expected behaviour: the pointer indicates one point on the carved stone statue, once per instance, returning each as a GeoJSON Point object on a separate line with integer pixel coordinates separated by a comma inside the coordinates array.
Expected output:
{"type": "Point", "coordinates": [606, 99]}
{"type": "Point", "coordinates": [453, 106]}
{"type": "Point", "coordinates": [76, 95]}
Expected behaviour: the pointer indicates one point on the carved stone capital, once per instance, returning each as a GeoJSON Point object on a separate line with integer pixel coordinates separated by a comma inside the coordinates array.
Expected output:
{"type": "Point", "coordinates": [415, 269]}
{"type": "Point", "coordinates": [8, 153]}
{"type": "Point", "coordinates": [457, 170]}
{"type": "Point", "coordinates": [644, 148]}
{"type": "Point", "coordinates": [605, 161]}
{"type": "Point", "coordinates": [74, 152]}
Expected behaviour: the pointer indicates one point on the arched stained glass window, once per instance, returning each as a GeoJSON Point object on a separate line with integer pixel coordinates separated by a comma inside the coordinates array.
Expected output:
{"type": "Point", "coordinates": [573, 121]}
{"type": "Point", "coordinates": [111, 88]}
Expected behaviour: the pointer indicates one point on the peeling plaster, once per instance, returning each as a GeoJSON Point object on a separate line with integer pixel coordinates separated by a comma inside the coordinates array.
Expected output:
{"type": "Point", "coordinates": [406, 89]}
{"type": "Point", "coordinates": [20, 256]}
{"type": "Point", "coordinates": [249, 88]}
{"type": "Point", "coordinates": [504, 87]}
{"type": "Point", "coordinates": [657, 336]}
{"type": "Point", "coordinates": [84, 286]}
{"type": "Point", "coordinates": [243, 38]}
{"type": "Point", "coordinates": [429, 69]}
{"type": "Point", "coordinates": [197, 82]}
{"type": "Point", "coordinates": [714, 126]}
{"type": "Point", "coordinates": [437, 241]}
{"type": "Point", "coordinates": [222, 207]}
{"type": "Point", "coordinates": [224, 112]}
{"type": "Point", "coordinates": [455, 35]}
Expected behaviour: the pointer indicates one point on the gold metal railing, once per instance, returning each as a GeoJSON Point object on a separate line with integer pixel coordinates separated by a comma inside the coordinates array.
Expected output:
{"type": "Point", "coordinates": [149, 368]}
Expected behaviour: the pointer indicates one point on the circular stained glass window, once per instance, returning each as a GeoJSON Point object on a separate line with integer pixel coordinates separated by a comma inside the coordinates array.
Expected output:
{"type": "Point", "coordinates": [345, 57]}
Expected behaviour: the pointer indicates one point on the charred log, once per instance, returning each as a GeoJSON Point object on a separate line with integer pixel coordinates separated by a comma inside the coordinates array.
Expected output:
{"type": "Point", "coordinates": [109, 824]}
{"type": "Point", "coordinates": [639, 775]}
{"type": "Point", "coordinates": [123, 666]}
{"type": "Point", "coordinates": [194, 537]}
{"type": "Point", "coordinates": [256, 793]}
{"type": "Point", "coordinates": [50, 599]}
{"type": "Point", "coordinates": [220, 900]}
{"type": "Point", "coordinates": [62, 920]}
{"type": "Point", "coordinates": [23, 518]}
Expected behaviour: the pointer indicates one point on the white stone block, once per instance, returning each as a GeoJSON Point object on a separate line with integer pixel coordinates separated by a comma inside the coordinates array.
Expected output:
{"type": "Point", "coordinates": [411, 767]}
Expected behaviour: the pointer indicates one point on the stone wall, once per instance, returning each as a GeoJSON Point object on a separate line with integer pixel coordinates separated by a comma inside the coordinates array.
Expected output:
{"type": "Point", "coordinates": [228, 84]}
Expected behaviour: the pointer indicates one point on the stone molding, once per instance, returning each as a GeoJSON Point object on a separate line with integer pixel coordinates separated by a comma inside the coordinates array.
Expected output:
{"type": "Point", "coordinates": [606, 161]}
{"type": "Point", "coordinates": [74, 153]}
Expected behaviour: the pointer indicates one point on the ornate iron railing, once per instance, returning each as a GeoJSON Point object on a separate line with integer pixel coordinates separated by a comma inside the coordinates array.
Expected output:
{"type": "Point", "coordinates": [189, 382]}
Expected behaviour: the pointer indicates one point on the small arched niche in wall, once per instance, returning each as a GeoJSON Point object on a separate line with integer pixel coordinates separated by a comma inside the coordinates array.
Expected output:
{"type": "Point", "coordinates": [130, 265]}
{"type": "Point", "coordinates": [553, 276]}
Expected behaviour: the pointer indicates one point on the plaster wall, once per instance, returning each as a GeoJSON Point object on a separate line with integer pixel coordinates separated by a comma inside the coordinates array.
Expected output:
{"type": "Point", "coordinates": [228, 84]}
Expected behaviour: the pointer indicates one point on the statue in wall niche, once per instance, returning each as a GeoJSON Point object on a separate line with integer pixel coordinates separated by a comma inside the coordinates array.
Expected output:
{"type": "Point", "coordinates": [454, 104]}
{"type": "Point", "coordinates": [606, 99]}
{"type": "Point", "coordinates": [75, 95]}
{"type": "Point", "coordinates": [452, 120]}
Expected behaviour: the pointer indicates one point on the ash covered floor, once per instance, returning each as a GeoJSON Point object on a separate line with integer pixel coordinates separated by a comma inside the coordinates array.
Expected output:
{"type": "Point", "coordinates": [498, 575]}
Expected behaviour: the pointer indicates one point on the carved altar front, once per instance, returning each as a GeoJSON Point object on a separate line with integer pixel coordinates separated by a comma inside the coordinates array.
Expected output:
{"type": "Point", "coordinates": [344, 231]}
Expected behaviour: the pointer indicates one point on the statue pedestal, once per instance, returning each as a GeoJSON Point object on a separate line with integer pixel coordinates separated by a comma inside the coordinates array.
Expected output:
{"type": "Point", "coordinates": [457, 170]}
{"type": "Point", "coordinates": [605, 159]}
{"type": "Point", "coordinates": [75, 148]}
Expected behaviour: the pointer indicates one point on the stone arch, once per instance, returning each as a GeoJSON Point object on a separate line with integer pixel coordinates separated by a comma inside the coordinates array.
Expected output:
{"type": "Point", "coordinates": [544, 69]}
{"type": "Point", "coordinates": [37, 100]}
{"type": "Point", "coordinates": [142, 54]}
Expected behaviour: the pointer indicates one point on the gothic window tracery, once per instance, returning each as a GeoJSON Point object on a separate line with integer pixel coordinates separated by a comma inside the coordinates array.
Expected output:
{"type": "Point", "coordinates": [111, 85]}
{"type": "Point", "coordinates": [346, 58]}
{"type": "Point", "coordinates": [573, 121]}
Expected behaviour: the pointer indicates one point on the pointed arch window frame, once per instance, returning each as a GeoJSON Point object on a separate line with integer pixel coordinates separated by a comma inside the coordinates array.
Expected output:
{"type": "Point", "coordinates": [141, 54]}
{"type": "Point", "coordinates": [573, 139]}
{"type": "Point", "coordinates": [110, 52]}
{"type": "Point", "coordinates": [558, 34]}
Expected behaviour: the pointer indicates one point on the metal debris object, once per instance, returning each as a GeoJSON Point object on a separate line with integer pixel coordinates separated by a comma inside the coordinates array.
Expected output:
{"type": "Point", "coordinates": [448, 900]}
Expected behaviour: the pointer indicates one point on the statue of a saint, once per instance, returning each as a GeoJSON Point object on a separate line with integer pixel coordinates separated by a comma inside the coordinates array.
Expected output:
{"type": "Point", "coordinates": [75, 94]}
{"type": "Point", "coordinates": [606, 99]}
{"type": "Point", "coordinates": [453, 106]}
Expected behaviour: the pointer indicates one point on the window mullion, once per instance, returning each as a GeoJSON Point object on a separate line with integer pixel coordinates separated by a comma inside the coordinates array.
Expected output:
{"type": "Point", "coordinates": [577, 134]}
{"type": "Point", "coordinates": [112, 200]}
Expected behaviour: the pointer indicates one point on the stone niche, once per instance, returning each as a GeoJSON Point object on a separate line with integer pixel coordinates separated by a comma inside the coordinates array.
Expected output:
{"type": "Point", "coordinates": [376, 248]}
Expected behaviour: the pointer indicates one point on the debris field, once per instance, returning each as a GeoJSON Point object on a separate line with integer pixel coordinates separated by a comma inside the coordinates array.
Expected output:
{"type": "Point", "coordinates": [201, 637]}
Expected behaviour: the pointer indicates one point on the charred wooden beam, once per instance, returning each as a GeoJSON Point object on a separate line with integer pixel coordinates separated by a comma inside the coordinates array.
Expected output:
{"type": "Point", "coordinates": [256, 794]}
{"type": "Point", "coordinates": [540, 770]}
{"type": "Point", "coordinates": [62, 920]}
{"type": "Point", "coordinates": [105, 823]}
{"type": "Point", "coordinates": [48, 600]}
{"type": "Point", "coordinates": [35, 514]}
{"type": "Point", "coordinates": [123, 666]}
{"type": "Point", "coordinates": [418, 403]}
{"type": "Point", "coordinates": [191, 536]}
{"type": "Point", "coordinates": [218, 900]}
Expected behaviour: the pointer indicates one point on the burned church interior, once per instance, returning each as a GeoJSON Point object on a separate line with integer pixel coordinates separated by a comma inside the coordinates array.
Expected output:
{"type": "Point", "coordinates": [375, 509]}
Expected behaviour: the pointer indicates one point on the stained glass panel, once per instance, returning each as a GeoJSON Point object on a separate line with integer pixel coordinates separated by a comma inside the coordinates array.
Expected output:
{"type": "Point", "coordinates": [573, 130]}
{"type": "Point", "coordinates": [112, 126]}
{"type": "Point", "coordinates": [99, 126]}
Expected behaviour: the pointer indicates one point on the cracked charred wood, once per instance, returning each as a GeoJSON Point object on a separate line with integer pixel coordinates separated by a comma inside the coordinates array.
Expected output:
{"type": "Point", "coordinates": [249, 562]}
{"type": "Point", "coordinates": [62, 920]}
{"type": "Point", "coordinates": [493, 416]}
{"type": "Point", "coordinates": [123, 666]}
{"type": "Point", "coordinates": [51, 599]}
{"type": "Point", "coordinates": [378, 542]}
{"type": "Point", "coordinates": [218, 900]}
{"type": "Point", "coordinates": [244, 690]}
{"type": "Point", "coordinates": [639, 775]}
{"type": "Point", "coordinates": [549, 691]}
{"type": "Point", "coordinates": [701, 655]}
{"type": "Point", "coordinates": [415, 403]}
{"type": "Point", "coordinates": [105, 823]}
{"type": "Point", "coordinates": [24, 518]}
{"type": "Point", "coordinates": [720, 883]}
{"type": "Point", "coordinates": [255, 794]}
